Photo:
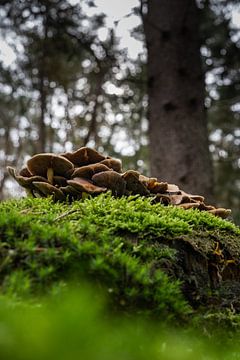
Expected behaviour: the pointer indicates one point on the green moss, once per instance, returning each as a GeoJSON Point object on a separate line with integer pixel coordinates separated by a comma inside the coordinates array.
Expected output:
{"type": "Point", "coordinates": [115, 243]}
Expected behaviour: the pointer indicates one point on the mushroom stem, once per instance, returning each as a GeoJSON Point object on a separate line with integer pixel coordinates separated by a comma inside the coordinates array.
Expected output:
{"type": "Point", "coordinates": [50, 175]}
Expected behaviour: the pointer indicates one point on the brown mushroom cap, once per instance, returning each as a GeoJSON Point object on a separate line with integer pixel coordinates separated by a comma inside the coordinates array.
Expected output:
{"type": "Point", "coordinates": [114, 164]}
{"type": "Point", "coordinates": [88, 171]}
{"type": "Point", "coordinates": [221, 212]}
{"type": "Point", "coordinates": [134, 184]}
{"type": "Point", "coordinates": [40, 163]}
{"type": "Point", "coordinates": [84, 156]}
{"type": "Point", "coordinates": [48, 189]}
{"type": "Point", "coordinates": [111, 180]}
{"type": "Point", "coordinates": [23, 181]}
{"type": "Point", "coordinates": [83, 185]}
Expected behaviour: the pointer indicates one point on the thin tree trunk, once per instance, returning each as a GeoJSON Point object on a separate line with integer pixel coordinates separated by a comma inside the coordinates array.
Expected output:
{"type": "Point", "coordinates": [43, 89]}
{"type": "Point", "coordinates": [92, 130]}
{"type": "Point", "coordinates": [179, 150]}
{"type": "Point", "coordinates": [42, 125]}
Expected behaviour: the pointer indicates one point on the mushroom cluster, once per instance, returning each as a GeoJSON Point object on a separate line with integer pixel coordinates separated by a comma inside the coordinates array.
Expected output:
{"type": "Point", "coordinates": [72, 175]}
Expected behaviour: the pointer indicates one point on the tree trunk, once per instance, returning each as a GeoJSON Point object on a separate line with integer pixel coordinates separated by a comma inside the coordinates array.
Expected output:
{"type": "Point", "coordinates": [42, 125]}
{"type": "Point", "coordinates": [179, 150]}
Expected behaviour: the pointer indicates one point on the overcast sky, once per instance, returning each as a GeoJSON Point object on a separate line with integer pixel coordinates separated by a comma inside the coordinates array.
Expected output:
{"type": "Point", "coordinates": [116, 11]}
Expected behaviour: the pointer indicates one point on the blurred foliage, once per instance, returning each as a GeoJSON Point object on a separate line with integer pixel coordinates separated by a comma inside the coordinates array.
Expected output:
{"type": "Point", "coordinates": [73, 323]}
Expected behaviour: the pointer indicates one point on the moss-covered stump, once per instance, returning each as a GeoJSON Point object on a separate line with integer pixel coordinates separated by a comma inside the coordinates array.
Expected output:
{"type": "Point", "coordinates": [147, 258]}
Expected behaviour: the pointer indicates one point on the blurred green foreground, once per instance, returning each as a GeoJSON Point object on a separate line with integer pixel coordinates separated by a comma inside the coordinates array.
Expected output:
{"type": "Point", "coordinates": [75, 325]}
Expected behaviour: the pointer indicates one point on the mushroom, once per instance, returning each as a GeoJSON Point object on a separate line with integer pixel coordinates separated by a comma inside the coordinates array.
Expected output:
{"type": "Point", "coordinates": [88, 171]}
{"type": "Point", "coordinates": [111, 180]}
{"type": "Point", "coordinates": [85, 171]}
{"type": "Point", "coordinates": [48, 189]}
{"type": "Point", "coordinates": [221, 212]}
{"type": "Point", "coordinates": [133, 183]}
{"type": "Point", "coordinates": [114, 164]}
{"type": "Point", "coordinates": [83, 185]}
{"type": "Point", "coordinates": [84, 156]}
{"type": "Point", "coordinates": [48, 165]}
{"type": "Point", "coordinates": [26, 182]}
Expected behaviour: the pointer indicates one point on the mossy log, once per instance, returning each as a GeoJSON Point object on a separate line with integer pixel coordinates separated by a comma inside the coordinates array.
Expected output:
{"type": "Point", "coordinates": [162, 260]}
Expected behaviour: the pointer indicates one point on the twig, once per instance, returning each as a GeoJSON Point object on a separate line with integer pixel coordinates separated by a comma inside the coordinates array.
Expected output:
{"type": "Point", "coordinates": [28, 211]}
{"type": "Point", "coordinates": [65, 214]}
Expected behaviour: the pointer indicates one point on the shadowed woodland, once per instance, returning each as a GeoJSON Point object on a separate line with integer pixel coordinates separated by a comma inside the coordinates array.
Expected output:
{"type": "Point", "coordinates": [172, 111]}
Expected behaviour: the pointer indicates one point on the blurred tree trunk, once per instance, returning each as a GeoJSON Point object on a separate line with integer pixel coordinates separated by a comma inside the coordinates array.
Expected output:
{"type": "Point", "coordinates": [179, 150]}
{"type": "Point", "coordinates": [42, 83]}
{"type": "Point", "coordinates": [42, 125]}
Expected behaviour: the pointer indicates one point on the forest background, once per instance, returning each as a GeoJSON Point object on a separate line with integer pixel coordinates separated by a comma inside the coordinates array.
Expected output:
{"type": "Point", "coordinates": [76, 73]}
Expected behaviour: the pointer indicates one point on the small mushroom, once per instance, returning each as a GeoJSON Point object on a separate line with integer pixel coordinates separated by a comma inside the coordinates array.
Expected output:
{"type": "Point", "coordinates": [134, 184]}
{"type": "Point", "coordinates": [88, 171]}
{"type": "Point", "coordinates": [221, 212]}
{"type": "Point", "coordinates": [84, 156]}
{"type": "Point", "coordinates": [111, 180]}
{"type": "Point", "coordinates": [83, 185]}
{"type": "Point", "coordinates": [114, 164]}
{"type": "Point", "coordinates": [48, 189]}
{"type": "Point", "coordinates": [49, 165]}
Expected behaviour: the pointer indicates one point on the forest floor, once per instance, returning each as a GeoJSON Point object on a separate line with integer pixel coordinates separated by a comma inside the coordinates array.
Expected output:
{"type": "Point", "coordinates": [111, 278]}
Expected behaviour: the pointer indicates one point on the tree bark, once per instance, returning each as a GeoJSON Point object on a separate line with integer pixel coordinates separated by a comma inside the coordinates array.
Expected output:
{"type": "Point", "coordinates": [179, 151]}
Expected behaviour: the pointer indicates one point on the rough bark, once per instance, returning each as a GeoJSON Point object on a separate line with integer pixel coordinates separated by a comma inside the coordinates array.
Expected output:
{"type": "Point", "coordinates": [208, 277]}
{"type": "Point", "coordinates": [179, 150]}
